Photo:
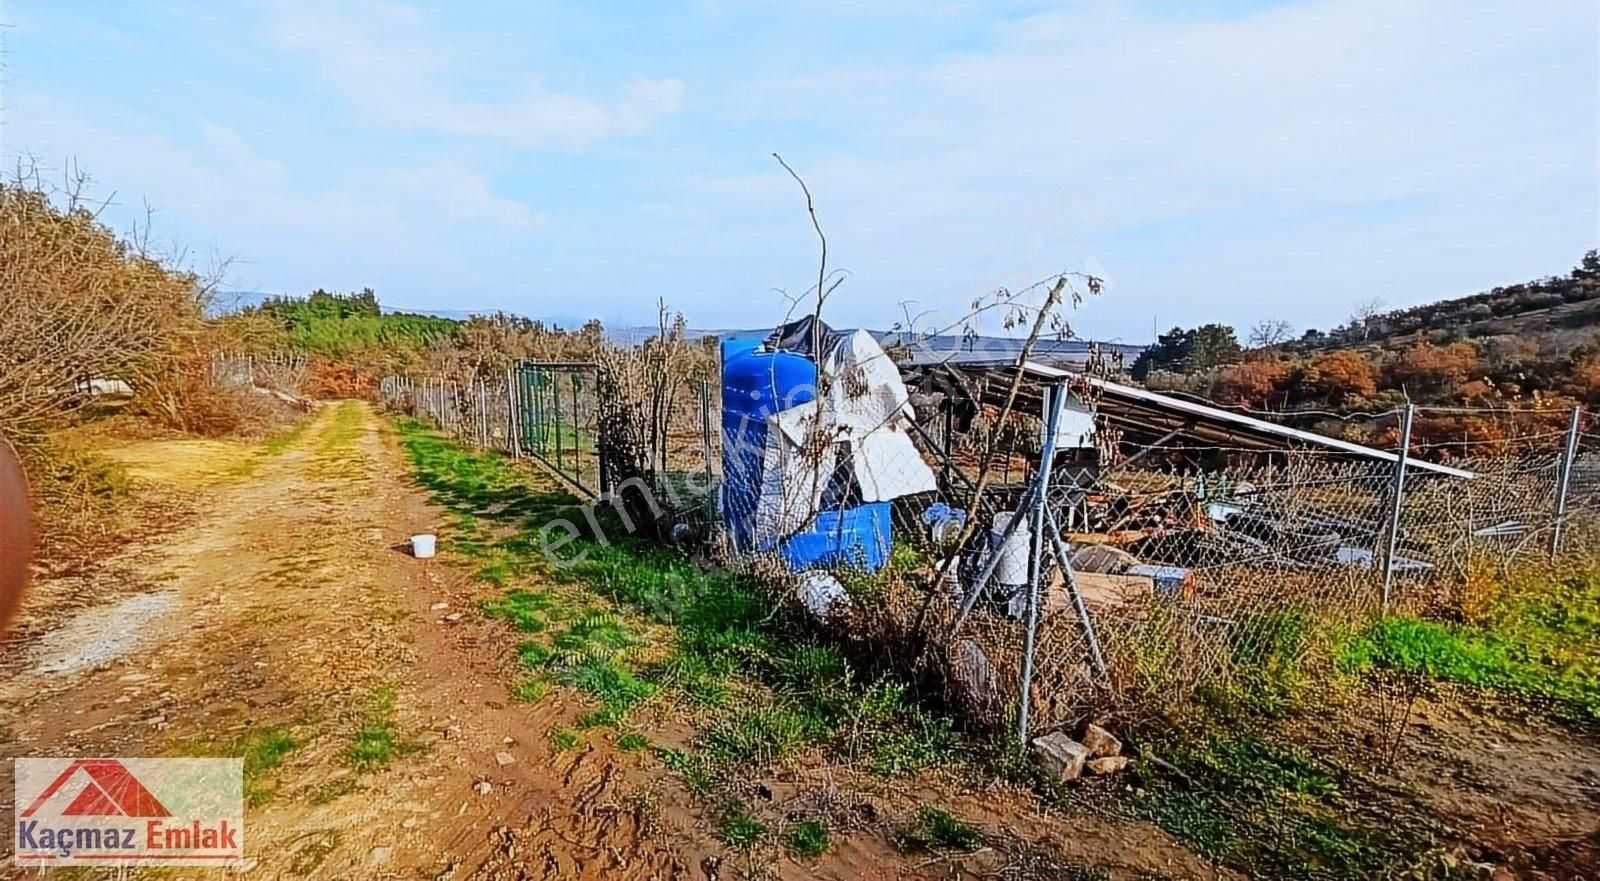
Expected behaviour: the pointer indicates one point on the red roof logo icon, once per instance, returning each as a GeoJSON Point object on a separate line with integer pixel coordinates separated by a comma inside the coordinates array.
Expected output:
{"type": "Point", "coordinates": [111, 791]}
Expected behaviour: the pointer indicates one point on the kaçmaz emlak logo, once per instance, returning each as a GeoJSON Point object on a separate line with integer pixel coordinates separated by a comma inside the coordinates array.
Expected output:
{"type": "Point", "coordinates": [145, 812]}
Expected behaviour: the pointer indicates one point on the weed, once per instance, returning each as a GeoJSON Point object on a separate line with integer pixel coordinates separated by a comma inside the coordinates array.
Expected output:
{"type": "Point", "coordinates": [534, 655]}
{"type": "Point", "coordinates": [618, 689]}
{"type": "Point", "coordinates": [1279, 811]}
{"type": "Point", "coordinates": [633, 741]}
{"type": "Point", "coordinates": [760, 735]}
{"type": "Point", "coordinates": [377, 743]}
{"type": "Point", "coordinates": [375, 746]}
{"type": "Point", "coordinates": [565, 739]}
{"type": "Point", "coordinates": [808, 838]}
{"type": "Point", "coordinates": [936, 828]}
{"type": "Point", "coordinates": [262, 751]}
{"type": "Point", "coordinates": [1535, 657]}
{"type": "Point", "coordinates": [530, 689]}
{"type": "Point", "coordinates": [522, 608]}
{"type": "Point", "coordinates": [738, 829]}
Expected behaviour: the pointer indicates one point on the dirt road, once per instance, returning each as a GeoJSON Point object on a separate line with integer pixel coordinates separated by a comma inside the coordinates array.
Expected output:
{"type": "Point", "coordinates": [283, 623]}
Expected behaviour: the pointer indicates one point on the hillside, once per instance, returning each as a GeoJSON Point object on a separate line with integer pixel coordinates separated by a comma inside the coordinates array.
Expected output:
{"type": "Point", "coordinates": [1560, 311]}
{"type": "Point", "coordinates": [1531, 347]}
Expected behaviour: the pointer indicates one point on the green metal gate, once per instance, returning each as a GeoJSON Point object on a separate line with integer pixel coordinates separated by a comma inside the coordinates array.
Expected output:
{"type": "Point", "coordinates": [557, 419]}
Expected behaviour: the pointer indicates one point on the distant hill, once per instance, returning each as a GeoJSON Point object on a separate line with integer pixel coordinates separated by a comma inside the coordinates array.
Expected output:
{"type": "Point", "coordinates": [1560, 311]}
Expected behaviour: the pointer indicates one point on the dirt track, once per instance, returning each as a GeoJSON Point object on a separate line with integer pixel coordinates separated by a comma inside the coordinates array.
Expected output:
{"type": "Point", "coordinates": [285, 605]}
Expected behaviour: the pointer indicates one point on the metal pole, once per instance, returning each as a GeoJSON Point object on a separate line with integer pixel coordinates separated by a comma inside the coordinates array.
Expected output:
{"type": "Point", "coordinates": [705, 425]}
{"type": "Point", "coordinates": [1063, 554]}
{"type": "Point", "coordinates": [1397, 503]}
{"type": "Point", "coordinates": [511, 412]}
{"type": "Point", "coordinates": [1569, 454]}
{"type": "Point", "coordinates": [1047, 455]}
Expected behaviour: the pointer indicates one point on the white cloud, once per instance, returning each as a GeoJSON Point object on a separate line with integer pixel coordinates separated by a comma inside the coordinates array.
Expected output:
{"type": "Point", "coordinates": [1302, 142]}
{"type": "Point", "coordinates": [213, 183]}
{"type": "Point", "coordinates": [389, 63]}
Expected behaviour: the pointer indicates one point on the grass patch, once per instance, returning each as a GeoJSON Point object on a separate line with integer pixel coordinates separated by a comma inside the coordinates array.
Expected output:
{"type": "Point", "coordinates": [763, 688]}
{"type": "Point", "coordinates": [565, 739]}
{"type": "Point", "coordinates": [1280, 811]}
{"type": "Point", "coordinates": [530, 689]}
{"type": "Point", "coordinates": [738, 829]}
{"type": "Point", "coordinates": [378, 743]}
{"type": "Point", "coordinates": [937, 829]}
{"type": "Point", "coordinates": [1540, 653]}
{"type": "Point", "coordinates": [523, 608]}
{"type": "Point", "coordinates": [263, 751]}
{"type": "Point", "coordinates": [633, 741]}
{"type": "Point", "coordinates": [808, 838]}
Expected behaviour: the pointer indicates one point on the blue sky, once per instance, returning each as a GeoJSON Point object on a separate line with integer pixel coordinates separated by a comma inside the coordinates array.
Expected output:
{"type": "Point", "coordinates": [1213, 160]}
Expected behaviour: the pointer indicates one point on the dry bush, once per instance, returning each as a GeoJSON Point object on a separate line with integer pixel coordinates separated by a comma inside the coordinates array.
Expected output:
{"type": "Point", "coordinates": [328, 379]}
{"type": "Point", "coordinates": [81, 502]}
{"type": "Point", "coordinates": [79, 303]}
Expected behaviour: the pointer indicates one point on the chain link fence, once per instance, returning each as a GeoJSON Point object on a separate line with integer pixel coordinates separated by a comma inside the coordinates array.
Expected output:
{"type": "Point", "coordinates": [1088, 574]}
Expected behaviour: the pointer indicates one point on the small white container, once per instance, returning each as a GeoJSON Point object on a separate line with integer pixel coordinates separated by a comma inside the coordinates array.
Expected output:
{"type": "Point", "coordinates": [422, 545]}
{"type": "Point", "coordinates": [1012, 569]}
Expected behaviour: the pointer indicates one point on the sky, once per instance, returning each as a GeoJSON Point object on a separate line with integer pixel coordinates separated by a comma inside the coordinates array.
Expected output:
{"type": "Point", "coordinates": [1212, 160]}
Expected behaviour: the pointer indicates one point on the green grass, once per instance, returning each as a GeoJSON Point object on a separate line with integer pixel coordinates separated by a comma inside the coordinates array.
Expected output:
{"type": "Point", "coordinates": [808, 838]}
{"type": "Point", "coordinates": [1278, 810]}
{"type": "Point", "coordinates": [764, 690]}
{"type": "Point", "coordinates": [1546, 648]}
{"type": "Point", "coordinates": [633, 741]}
{"type": "Point", "coordinates": [263, 751]}
{"type": "Point", "coordinates": [565, 739]}
{"type": "Point", "coordinates": [530, 689]}
{"type": "Point", "coordinates": [378, 743]}
{"type": "Point", "coordinates": [738, 829]}
{"type": "Point", "coordinates": [937, 829]}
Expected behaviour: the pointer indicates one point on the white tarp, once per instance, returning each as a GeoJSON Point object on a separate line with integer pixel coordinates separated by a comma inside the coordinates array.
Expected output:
{"type": "Point", "coordinates": [865, 409]}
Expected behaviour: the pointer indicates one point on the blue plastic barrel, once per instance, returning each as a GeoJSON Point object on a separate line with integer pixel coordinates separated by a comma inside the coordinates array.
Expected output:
{"type": "Point", "coordinates": [755, 385]}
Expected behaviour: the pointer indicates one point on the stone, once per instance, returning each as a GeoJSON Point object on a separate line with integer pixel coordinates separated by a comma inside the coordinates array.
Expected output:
{"type": "Point", "coordinates": [439, 606]}
{"type": "Point", "coordinates": [503, 759]}
{"type": "Point", "coordinates": [451, 732]}
{"type": "Point", "coordinates": [1107, 765]}
{"type": "Point", "coordinates": [379, 855]}
{"type": "Point", "coordinates": [483, 787]}
{"type": "Point", "coordinates": [1060, 756]}
{"type": "Point", "coordinates": [1101, 742]}
{"type": "Point", "coordinates": [453, 617]}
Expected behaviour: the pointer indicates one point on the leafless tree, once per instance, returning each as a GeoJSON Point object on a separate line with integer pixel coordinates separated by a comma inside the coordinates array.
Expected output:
{"type": "Point", "coordinates": [1366, 312]}
{"type": "Point", "coordinates": [1270, 332]}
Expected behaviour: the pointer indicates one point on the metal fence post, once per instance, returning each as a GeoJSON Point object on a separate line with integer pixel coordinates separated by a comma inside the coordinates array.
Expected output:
{"type": "Point", "coordinates": [705, 426]}
{"type": "Point", "coordinates": [1397, 503]}
{"type": "Point", "coordinates": [1569, 454]}
{"type": "Point", "coordinates": [511, 413]}
{"type": "Point", "coordinates": [1047, 455]}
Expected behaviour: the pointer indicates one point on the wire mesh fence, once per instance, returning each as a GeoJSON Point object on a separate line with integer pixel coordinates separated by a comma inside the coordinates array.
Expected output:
{"type": "Point", "coordinates": [1092, 570]}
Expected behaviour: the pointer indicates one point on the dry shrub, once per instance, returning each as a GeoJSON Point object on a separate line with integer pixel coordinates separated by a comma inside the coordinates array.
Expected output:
{"type": "Point", "coordinates": [330, 379]}
{"type": "Point", "coordinates": [79, 303]}
{"type": "Point", "coordinates": [81, 501]}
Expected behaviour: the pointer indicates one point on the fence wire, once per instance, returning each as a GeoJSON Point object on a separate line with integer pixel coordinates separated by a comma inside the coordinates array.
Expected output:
{"type": "Point", "coordinates": [1145, 572]}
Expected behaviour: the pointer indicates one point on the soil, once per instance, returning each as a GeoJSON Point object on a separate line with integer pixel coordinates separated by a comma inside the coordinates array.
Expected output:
{"type": "Point", "coordinates": [286, 601]}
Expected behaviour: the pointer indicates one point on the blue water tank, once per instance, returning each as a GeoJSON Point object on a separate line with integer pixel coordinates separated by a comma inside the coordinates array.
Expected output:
{"type": "Point", "coordinates": [757, 383]}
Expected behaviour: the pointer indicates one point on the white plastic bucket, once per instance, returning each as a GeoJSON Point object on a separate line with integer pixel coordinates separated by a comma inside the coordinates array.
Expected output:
{"type": "Point", "coordinates": [422, 545]}
{"type": "Point", "coordinates": [1012, 568]}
